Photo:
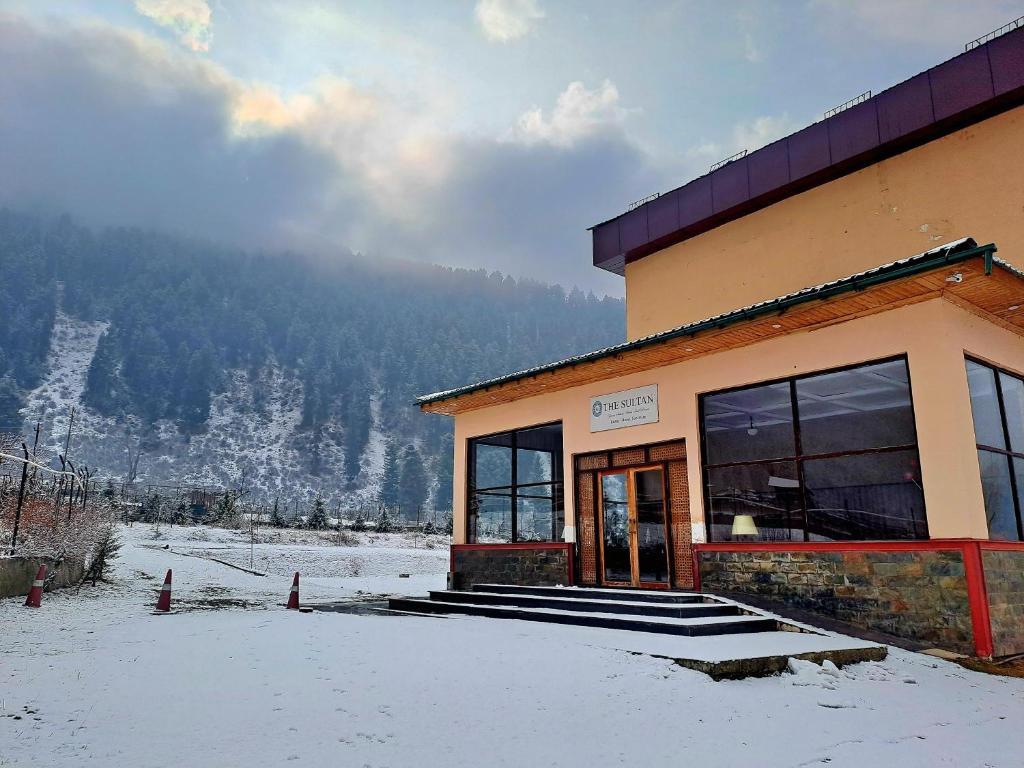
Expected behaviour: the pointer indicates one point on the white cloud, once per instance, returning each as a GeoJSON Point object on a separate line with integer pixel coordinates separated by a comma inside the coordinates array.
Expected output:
{"type": "Point", "coordinates": [748, 135]}
{"type": "Point", "coordinates": [578, 114]}
{"type": "Point", "coordinates": [506, 20]}
{"type": "Point", "coordinates": [168, 141]}
{"type": "Point", "coordinates": [761, 131]}
{"type": "Point", "coordinates": [748, 24]}
{"type": "Point", "coordinates": [189, 19]}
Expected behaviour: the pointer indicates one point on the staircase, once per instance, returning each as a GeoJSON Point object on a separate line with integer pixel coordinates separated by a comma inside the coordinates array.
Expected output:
{"type": "Point", "coordinates": [671, 613]}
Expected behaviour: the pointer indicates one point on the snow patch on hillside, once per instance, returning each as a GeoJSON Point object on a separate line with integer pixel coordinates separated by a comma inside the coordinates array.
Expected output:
{"type": "Point", "coordinates": [72, 348]}
{"type": "Point", "coordinates": [254, 438]}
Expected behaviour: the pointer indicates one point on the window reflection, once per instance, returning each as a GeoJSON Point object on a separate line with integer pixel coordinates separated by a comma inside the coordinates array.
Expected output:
{"type": "Point", "coordinates": [768, 494]}
{"type": "Point", "coordinates": [844, 467]}
{"type": "Point", "coordinates": [515, 486]}
{"type": "Point", "coordinates": [749, 424]}
{"type": "Point", "coordinates": [988, 427]}
{"type": "Point", "coordinates": [997, 405]}
{"type": "Point", "coordinates": [855, 409]}
{"type": "Point", "coordinates": [865, 496]}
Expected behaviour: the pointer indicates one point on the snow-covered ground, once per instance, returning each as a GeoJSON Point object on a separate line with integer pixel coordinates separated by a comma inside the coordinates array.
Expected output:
{"type": "Point", "coordinates": [93, 678]}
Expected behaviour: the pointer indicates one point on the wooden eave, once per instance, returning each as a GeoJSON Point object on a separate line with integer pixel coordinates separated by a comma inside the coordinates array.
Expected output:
{"type": "Point", "coordinates": [981, 284]}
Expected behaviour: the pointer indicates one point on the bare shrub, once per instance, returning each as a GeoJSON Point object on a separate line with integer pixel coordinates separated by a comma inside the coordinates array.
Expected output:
{"type": "Point", "coordinates": [343, 538]}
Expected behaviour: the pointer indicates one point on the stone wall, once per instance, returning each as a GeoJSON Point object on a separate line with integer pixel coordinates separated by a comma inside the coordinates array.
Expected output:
{"type": "Point", "coordinates": [18, 573]}
{"type": "Point", "coordinates": [538, 567]}
{"type": "Point", "coordinates": [919, 595]}
{"type": "Point", "coordinates": [1004, 581]}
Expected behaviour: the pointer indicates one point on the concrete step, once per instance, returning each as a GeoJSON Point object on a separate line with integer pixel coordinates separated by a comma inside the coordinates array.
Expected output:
{"type": "Point", "coordinates": [604, 605]}
{"type": "Point", "coordinates": [596, 593]}
{"type": "Point", "coordinates": [693, 627]}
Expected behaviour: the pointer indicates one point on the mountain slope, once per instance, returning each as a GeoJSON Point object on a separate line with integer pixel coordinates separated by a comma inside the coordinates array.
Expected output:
{"type": "Point", "coordinates": [275, 371]}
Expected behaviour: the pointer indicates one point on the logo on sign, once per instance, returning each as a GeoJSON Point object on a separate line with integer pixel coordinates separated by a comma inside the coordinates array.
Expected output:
{"type": "Point", "coordinates": [597, 408]}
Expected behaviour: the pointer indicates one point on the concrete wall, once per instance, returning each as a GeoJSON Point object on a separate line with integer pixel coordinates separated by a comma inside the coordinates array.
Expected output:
{"type": "Point", "coordinates": [934, 335]}
{"type": "Point", "coordinates": [970, 183]}
{"type": "Point", "coordinates": [537, 567]}
{"type": "Point", "coordinates": [1004, 581]}
{"type": "Point", "coordinates": [919, 595]}
{"type": "Point", "coordinates": [18, 573]}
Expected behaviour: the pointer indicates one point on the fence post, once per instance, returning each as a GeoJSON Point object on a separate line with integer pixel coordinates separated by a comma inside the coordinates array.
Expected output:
{"type": "Point", "coordinates": [21, 499]}
{"type": "Point", "coordinates": [71, 490]}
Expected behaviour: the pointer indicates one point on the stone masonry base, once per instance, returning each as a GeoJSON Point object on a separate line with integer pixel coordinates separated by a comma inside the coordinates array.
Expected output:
{"type": "Point", "coordinates": [542, 565]}
{"type": "Point", "coordinates": [920, 595]}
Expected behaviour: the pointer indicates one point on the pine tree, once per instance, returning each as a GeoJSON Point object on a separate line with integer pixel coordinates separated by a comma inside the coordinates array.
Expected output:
{"type": "Point", "coordinates": [10, 402]}
{"type": "Point", "coordinates": [318, 516]}
{"type": "Point", "coordinates": [357, 429]}
{"type": "Point", "coordinates": [385, 523]}
{"type": "Point", "coordinates": [224, 510]}
{"type": "Point", "coordinates": [412, 484]}
{"type": "Point", "coordinates": [102, 384]}
{"type": "Point", "coordinates": [275, 515]}
{"type": "Point", "coordinates": [389, 484]}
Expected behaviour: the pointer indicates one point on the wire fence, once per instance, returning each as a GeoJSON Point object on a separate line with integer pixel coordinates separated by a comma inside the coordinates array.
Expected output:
{"type": "Point", "coordinates": [40, 478]}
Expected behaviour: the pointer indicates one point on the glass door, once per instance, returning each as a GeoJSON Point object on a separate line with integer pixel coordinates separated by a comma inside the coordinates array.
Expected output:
{"type": "Point", "coordinates": [649, 511]}
{"type": "Point", "coordinates": [633, 527]}
{"type": "Point", "coordinates": [617, 529]}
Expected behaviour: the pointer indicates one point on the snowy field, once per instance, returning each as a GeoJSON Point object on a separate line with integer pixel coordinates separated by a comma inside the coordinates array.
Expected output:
{"type": "Point", "coordinates": [234, 680]}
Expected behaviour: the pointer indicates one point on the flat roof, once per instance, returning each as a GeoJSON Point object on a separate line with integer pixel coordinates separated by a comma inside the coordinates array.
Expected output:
{"type": "Point", "coordinates": [768, 319]}
{"type": "Point", "coordinates": [964, 90]}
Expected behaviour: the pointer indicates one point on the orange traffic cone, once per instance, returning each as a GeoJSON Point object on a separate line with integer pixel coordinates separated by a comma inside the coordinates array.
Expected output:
{"type": "Point", "coordinates": [35, 595]}
{"type": "Point", "coordinates": [163, 605]}
{"type": "Point", "coordinates": [293, 596]}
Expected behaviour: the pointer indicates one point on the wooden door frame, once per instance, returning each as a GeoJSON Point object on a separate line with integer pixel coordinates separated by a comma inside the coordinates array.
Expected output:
{"type": "Point", "coordinates": [634, 549]}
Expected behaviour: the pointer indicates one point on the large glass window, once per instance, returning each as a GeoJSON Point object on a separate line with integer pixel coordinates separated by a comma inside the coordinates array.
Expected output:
{"type": "Point", "coordinates": [997, 404]}
{"type": "Point", "coordinates": [515, 486]}
{"type": "Point", "coordinates": [829, 456]}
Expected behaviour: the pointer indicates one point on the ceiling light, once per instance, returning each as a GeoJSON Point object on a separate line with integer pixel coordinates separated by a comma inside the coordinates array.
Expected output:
{"type": "Point", "coordinates": [776, 326]}
{"type": "Point", "coordinates": [1013, 307]}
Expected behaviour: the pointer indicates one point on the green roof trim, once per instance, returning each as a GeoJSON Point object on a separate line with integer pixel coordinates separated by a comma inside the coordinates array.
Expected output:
{"type": "Point", "coordinates": [950, 253]}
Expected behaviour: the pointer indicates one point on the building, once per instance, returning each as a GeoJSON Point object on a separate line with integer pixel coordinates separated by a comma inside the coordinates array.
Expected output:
{"type": "Point", "coordinates": [821, 398]}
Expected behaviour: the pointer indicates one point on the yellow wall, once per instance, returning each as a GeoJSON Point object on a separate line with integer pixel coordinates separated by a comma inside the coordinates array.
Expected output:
{"type": "Point", "coordinates": [934, 335]}
{"type": "Point", "coordinates": [970, 183]}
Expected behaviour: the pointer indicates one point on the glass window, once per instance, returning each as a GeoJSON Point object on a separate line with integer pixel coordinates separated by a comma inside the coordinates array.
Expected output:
{"type": "Point", "coordinates": [988, 424]}
{"type": "Point", "coordinates": [493, 466]}
{"type": "Point", "coordinates": [854, 409]}
{"type": "Point", "coordinates": [755, 502]}
{"type": "Point", "coordinates": [998, 493]}
{"type": "Point", "coordinates": [845, 468]}
{"type": "Point", "coordinates": [864, 496]}
{"type": "Point", "coordinates": [749, 424]}
{"type": "Point", "coordinates": [515, 486]}
{"type": "Point", "coordinates": [1013, 406]}
{"type": "Point", "coordinates": [997, 404]}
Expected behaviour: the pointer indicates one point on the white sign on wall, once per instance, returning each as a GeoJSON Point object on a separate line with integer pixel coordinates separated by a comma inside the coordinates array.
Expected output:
{"type": "Point", "coordinates": [624, 409]}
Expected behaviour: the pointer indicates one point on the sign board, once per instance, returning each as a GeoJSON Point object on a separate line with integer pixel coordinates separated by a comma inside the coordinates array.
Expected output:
{"type": "Point", "coordinates": [628, 408]}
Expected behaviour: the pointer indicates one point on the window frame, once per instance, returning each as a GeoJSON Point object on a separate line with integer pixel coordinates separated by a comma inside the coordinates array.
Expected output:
{"type": "Point", "coordinates": [800, 458]}
{"type": "Point", "coordinates": [557, 486]}
{"type": "Point", "coordinates": [1007, 453]}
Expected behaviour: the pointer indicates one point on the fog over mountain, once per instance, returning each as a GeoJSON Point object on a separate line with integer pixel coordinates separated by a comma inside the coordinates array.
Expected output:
{"type": "Point", "coordinates": [118, 128]}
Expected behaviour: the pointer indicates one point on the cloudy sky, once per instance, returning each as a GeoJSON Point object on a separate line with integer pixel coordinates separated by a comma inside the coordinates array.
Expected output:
{"type": "Point", "coordinates": [485, 133]}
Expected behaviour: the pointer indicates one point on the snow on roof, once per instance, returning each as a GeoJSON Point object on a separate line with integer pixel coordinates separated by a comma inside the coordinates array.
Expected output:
{"type": "Point", "coordinates": [964, 247]}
